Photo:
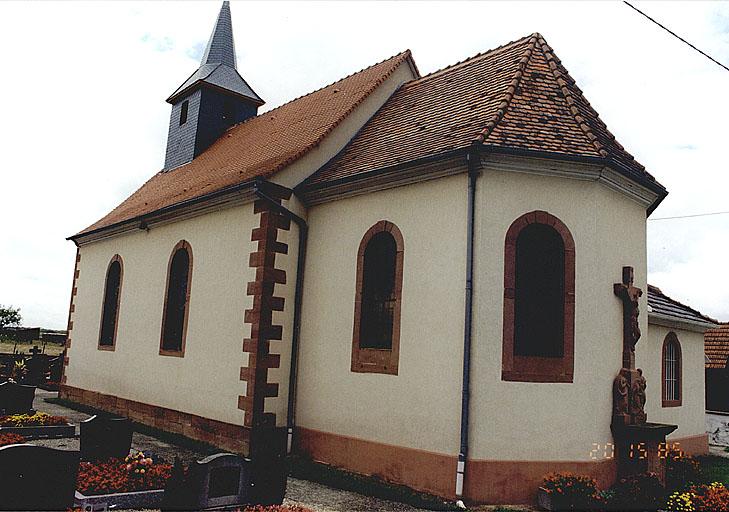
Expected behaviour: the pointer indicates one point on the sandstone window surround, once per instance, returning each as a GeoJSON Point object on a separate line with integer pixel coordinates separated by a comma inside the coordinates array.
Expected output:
{"type": "Point", "coordinates": [377, 304]}
{"type": "Point", "coordinates": [539, 300]}
{"type": "Point", "coordinates": [176, 302]}
{"type": "Point", "coordinates": [671, 371]}
{"type": "Point", "coordinates": [110, 305]}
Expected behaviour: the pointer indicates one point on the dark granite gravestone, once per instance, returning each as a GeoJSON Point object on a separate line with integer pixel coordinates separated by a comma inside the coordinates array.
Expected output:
{"type": "Point", "coordinates": [104, 437]}
{"type": "Point", "coordinates": [37, 478]}
{"type": "Point", "coordinates": [16, 398]}
{"type": "Point", "coordinates": [220, 480]}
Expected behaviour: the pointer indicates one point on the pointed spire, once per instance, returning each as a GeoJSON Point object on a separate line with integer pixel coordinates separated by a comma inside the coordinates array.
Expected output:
{"type": "Point", "coordinates": [221, 48]}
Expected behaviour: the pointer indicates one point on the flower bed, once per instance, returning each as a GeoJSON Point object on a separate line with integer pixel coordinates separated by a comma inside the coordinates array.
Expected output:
{"type": "Point", "coordinates": [36, 425]}
{"type": "Point", "coordinates": [135, 473]}
{"type": "Point", "coordinates": [39, 419]}
{"type": "Point", "coordinates": [135, 482]}
{"type": "Point", "coordinates": [6, 439]}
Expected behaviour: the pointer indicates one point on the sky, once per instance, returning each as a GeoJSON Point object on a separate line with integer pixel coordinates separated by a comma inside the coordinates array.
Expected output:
{"type": "Point", "coordinates": [83, 121]}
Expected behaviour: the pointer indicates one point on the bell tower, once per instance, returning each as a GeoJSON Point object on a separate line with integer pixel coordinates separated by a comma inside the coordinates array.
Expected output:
{"type": "Point", "coordinates": [211, 100]}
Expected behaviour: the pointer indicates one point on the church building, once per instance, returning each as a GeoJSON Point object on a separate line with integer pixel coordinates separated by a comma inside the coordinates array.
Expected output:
{"type": "Point", "coordinates": [412, 277]}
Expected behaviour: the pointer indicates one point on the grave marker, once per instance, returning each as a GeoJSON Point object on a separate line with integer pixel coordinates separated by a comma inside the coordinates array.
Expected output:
{"type": "Point", "coordinates": [16, 398]}
{"type": "Point", "coordinates": [37, 477]}
{"type": "Point", "coordinates": [104, 437]}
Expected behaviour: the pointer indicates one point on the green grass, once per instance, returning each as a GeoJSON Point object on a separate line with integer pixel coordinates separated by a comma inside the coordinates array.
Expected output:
{"type": "Point", "coordinates": [162, 435]}
{"type": "Point", "coordinates": [6, 347]}
{"type": "Point", "coordinates": [714, 469]}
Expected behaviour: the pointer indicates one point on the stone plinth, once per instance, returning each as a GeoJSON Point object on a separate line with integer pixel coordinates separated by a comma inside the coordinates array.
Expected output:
{"type": "Point", "coordinates": [642, 448]}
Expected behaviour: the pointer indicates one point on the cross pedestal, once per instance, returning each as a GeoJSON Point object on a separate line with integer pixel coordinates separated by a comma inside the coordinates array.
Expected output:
{"type": "Point", "coordinates": [642, 449]}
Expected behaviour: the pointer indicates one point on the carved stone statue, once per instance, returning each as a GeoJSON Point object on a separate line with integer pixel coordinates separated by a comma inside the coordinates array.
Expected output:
{"type": "Point", "coordinates": [637, 398]}
{"type": "Point", "coordinates": [620, 395]}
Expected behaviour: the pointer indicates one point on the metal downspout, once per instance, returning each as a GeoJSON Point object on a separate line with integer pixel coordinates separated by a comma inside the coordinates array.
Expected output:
{"type": "Point", "coordinates": [473, 161]}
{"type": "Point", "coordinates": [301, 258]}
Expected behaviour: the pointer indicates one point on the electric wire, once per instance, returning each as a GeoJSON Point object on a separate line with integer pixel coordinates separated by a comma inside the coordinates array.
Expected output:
{"type": "Point", "coordinates": [676, 36]}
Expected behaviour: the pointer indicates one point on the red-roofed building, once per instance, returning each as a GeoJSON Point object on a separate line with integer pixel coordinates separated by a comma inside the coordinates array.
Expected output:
{"type": "Point", "coordinates": [294, 279]}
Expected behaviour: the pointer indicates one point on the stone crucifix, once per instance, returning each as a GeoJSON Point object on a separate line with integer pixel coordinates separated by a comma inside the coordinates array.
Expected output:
{"type": "Point", "coordinates": [629, 385]}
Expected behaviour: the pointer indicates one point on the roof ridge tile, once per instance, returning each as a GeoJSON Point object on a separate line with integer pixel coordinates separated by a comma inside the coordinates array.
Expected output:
{"type": "Point", "coordinates": [560, 74]}
{"type": "Point", "coordinates": [510, 90]}
{"type": "Point", "coordinates": [480, 55]}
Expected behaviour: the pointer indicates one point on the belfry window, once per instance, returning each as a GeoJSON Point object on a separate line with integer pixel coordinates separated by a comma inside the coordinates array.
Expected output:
{"type": "Point", "coordinates": [110, 306]}
{"type": "Point", "coordinates": [183, 111]}
{"type": "Point", "coordinates": [671, 371]}
{"type": "Point", "coordinates": [177, 298]}
{"type": "Point", "coordinates": [375, 345]}
{"type": "Point", "coordinates": [539, 285]}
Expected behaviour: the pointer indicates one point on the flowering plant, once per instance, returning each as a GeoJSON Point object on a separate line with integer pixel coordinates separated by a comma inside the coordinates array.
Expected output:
{"type": "Point", "coordinates": [6, 439]}
{"type": "Point", "coordinates": [703, 498]}
{"type": "Point", "coordinates": [576, 491]}
{"type": "Point", "coordinates": [137, 464]}
{"type": "Point", "coordinates": [39, 419]}
{"type": "Point", "coordinates": [116, 475]}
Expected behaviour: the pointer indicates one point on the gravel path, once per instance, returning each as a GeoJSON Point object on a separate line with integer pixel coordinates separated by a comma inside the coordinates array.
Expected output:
{"type": "Point", "coordinates": [317, 497]}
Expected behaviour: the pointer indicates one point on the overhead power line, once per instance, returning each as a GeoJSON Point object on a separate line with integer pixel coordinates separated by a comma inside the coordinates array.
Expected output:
{"type": "Point", "coordinates": [712, 59]}
{"type": "Point", "coordinates": [690, 216]}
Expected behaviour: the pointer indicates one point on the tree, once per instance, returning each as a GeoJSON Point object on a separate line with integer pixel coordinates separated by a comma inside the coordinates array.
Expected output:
{"type": "Point", "coordinates": [9, 316]}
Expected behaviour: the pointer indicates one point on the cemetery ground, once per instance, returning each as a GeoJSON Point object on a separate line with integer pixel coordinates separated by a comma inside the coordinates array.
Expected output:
{"type": "Point", "coordinates": [315, 496]}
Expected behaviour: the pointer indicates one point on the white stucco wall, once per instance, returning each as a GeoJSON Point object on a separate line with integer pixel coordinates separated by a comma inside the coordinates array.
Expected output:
{"type": "Point", "coordinates": [552, 421]}
{"type": "Point", "coordinates": [206, 380]}
{"type": "Point", "coordinates": [690, 415]}
{"type": "Point", "coordinates": [420, 406]}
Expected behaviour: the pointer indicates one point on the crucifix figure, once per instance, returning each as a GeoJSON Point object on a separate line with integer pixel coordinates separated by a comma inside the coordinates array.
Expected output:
{"type": "Point", "coordinates": [629, 295]}
{"type": "Point", "coordinates": [629, 385]}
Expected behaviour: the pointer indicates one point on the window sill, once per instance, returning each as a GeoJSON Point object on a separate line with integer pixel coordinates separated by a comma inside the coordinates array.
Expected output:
{"type": "Point", "coordinates": [518, 376]}
{"type": "Point", "coordinates": [106, 348]}
{"type": "Point", "coordinates": [172, 353]}
{"type": "Point", "coordinates": [671, 403]}
{"type": "Point", "coordinates": [372, 360]}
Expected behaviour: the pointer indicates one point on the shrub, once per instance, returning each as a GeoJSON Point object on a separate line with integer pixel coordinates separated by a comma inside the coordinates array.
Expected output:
{"type": "Point", "coordinates": [682, 470]}
{"type": "Point", "coordinates": [6, 439]}
{"type": "Point", "coordinates": [116, 475]}
{"type": "Point", "coordinates": [637, 492]}
{"type": "Point", "coordinates": [39, 419]}
{"type": "Point", "coordinates": [574, 491]}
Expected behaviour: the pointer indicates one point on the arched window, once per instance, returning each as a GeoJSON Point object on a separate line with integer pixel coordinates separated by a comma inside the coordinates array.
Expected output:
{"type": "Point", "coordinates": [671, 371]}
{"type": "Point", "coordinates": [539, 300]}
{"type": "Point", "coordinates": [376, 338]}
{"type": "Point", "coordinates": [110, 306]}
{"type": "Point", "coordinates": [177, 297]}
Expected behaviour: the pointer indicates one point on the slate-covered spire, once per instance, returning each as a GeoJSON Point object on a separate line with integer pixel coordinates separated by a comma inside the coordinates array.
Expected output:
{"type": "Point", "coordinates": [211, 100]}
{"type": "Point", "coordinates": [221, 48]}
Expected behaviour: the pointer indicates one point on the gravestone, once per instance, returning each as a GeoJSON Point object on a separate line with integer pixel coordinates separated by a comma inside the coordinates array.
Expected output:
{"type": "Point", "coordinates": [220, 480]}
{"type": "Point", "coordinates": [104, 437]}
{"type": "Point", "coordinates": [37, 477]}
{"type": "Point", "coordinates": [16, 398]}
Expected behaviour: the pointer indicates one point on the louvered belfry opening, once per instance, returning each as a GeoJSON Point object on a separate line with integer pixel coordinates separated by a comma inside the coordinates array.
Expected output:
{"type": "Point", "coordinates": [378, 292]}
{"type": "Point", "coordinates": [539, 293]}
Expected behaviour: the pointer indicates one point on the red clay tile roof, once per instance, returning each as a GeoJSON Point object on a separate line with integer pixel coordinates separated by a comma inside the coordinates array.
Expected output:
{"type": "Point", "coordinates": [260, 146]}
{"type": "Point", "coordinates": [515, 97]}
{"type": "Point", "coordinates": [716, 346]}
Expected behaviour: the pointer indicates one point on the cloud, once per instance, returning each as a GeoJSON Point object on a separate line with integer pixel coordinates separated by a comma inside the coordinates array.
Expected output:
{"type": "Point", "coordinates": [70, 156]}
